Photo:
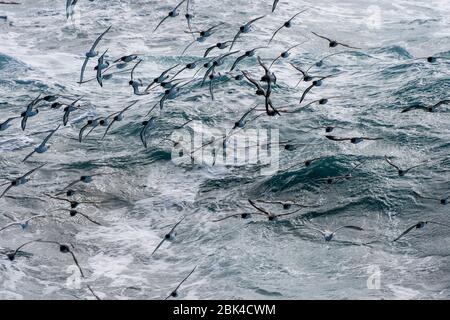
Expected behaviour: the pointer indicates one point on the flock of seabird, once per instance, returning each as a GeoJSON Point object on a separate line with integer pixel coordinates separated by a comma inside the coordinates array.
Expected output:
{"type": "Point", "coordinates": [170, 85]}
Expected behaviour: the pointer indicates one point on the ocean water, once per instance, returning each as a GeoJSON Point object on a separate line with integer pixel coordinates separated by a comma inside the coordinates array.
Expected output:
{"type": "Point", "coordinates": [142, 192]}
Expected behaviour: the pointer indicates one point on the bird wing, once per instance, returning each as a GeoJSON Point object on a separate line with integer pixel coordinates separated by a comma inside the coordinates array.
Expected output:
{"type": "Point", "coordinates": [248, 24]}
{"type": "Point", "coordinates": [178, 5]}
{"type": "Point", "coordinates": [107, 129]}
{"type": "Point", "coordinates": [347, 46]}
{"type": "Point", "coordinates": [334, 138]}
{"type": "Point", "coordinates": [236, 62]}
{"type": "Point", "coordinates": [9, 120]}
{"type": "Point", "coordinates": [32, 171]}
{"type": "Point", "coordinates": [405, 232]}
{"type": "Point", "coordinates": [144, 131]}
{"type": "Point", "coordinates": [68, 5]}
{"type": "Point", "coordinates": [56, 198]}
{"type": "Point", "coordinates": [188, 46]}
{"type": "Point", "coordinates": [318, 35]}
{"type": "Point", "coordinates": [76, 262]}
{"type": "Point", "coordinates": [209, 50]}
{"type": "Point", "coordinates": [275, 33]}
{"type": "Point", "coordinates": [83, 68]}
{"type": "Point", "coordinates": [274, 5]}
{"type": "Point", "coordinates": [132, 70]}
{"type": "Point", "coordinates": [391, 163]}
{"type": "Point", "coordinates": [295, 15]}
{"type": "Point", "coordinates": [289, 213]}
{"type": "Point", "coordinates": [23, 123]}
{"type": "Point", "coordinates": [161, 102]}
{"type": "Point", "coordinates": [234, 39]}
{"type": "Point", "coordinates": [349, 227]}
{"type": "Point", "coordinates": [440, 103]}
{"type": "Point", "coordinates": [261, 63]}
{"type": "Point", "coordinates": [168, 70]}
{"type": "Point", "coordinates": [306, 92]}
{"type": "Point", "coordinates": [159, 245]}
{"type": "Point", "coordinates": [423, 197]}
{"type": "Point", "coordinates": [309, 226]}
{"type": "Point", "coordinates": [275, 60]}
{"type": "Point", "coordinates": [439, 223]}
{"type": "Point", "coordinates": [258, 208]}
{"type": "Point", "coordinates": [254, 82]}
{"type": "Point", "coordinates": [176, 225]}
{"type": "Point", "coordinates": [213, 27]}
{"type": "Point", "coordinates": [47, 138]}
{"type": "Point", "coordinates": [414, 107]}
{"type": "Point", "coordinates": [184, 280]}
{"type": "Point", "coordinates": [9, 225]}
{"type": "Point", "coordinates": [416, 166]}
{"type": "Point", "coordinates": [71, 184]}
{"type": "Point", "coordinates": [89, 218]}
{"type": "Point", "coordinates": [224, 218]}
{"type": "Point", "coordinates": [36, 217]}
{"type": "Point", "coordinates": [247, 113]}
{"type": "Point", "coordinates": [160, 23]}
{"type": "Point", "coordinates": [210, 69]}
{"type": "Point", "coordinates": [28, 156]}
{"type": "Point", "coordinates": [80, 135]}
{"type": "Point", "coordinates": [96, 42]}
{"type": "Point", "coordinates": [298, 69]}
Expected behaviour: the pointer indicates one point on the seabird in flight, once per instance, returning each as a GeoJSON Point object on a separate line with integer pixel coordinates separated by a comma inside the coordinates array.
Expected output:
{"type": "Point", "coordinates": [147, 124]}
{"type": "Point", "coordinates": [315, 83]}
{"type": "Point", "coordinates": [353, 140]}
{"type": "Point", "coordinates": [42, 147]}
{"type": "Point", "coordinates": [73, 204]}
{"type": "Point", "coordinates": [70, 108]}
{"type": "Point", "coordinates": [70, 6]}
{"type": "Point", "coordinates": [118, 116]}
{"type": "Point", "coordinates": [329, 235]}
{"type": "Point", "coordinates": [23, 223]}
{"type": "Point", "coordinates": [136, 83]}
{"type": "Point", "coordinates": [20, 180]}
{"type": "Point", "coordinates": [284, 54]}
{"type": "Point", "coordinates": [271, 216]}
{"type": "Point", "coordinates": [91, 54]}
{"type": "Point", "coordinates": [170, 236]}
{"type": "Point", "coordinates": [161, 78]}
{"type": "Point", "coordinates": [244, 29]}
{"type": "Point", "coordinates": [29, 112]}
{"type": "Point", "coordinates": [5, 125]}
{"type": "Point", "coordinates": [334, 43]}
{"type": "Point", "coordinates": [247, 54]}
{"type": "Point", "coordinates": [172, 14]}
{"type": "Point", "coordinates": [83, 179]}
{"type": "Point", "coordinates": [74, 212]}
{"type": "Point", "coordinates": [402, 172]}
{"type": "Point", "coordinates": [63, 248]}
{"type": "Point", "coordinates": [101, 65]}
{"type": "Point", "coordinates": [443, 201]}
{"type": "Point", "coordinates": [174, 293]}
{"type": "Point", "coordinates": [286, 24]}
{"type": "Point", "coordinates": [218, 45]}
{"type": "Point", "coordinates": [274, 5]}
{"type": "Point", "coordinates": [419, 225]}
{"type": "Point", "coordinates": [426, 108]}
{"type": "Point", "coordinates": [202, 36]}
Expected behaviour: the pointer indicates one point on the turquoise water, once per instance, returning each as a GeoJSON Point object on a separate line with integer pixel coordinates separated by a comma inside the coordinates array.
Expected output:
{"type": "Point", "coordinates": [143, 192]}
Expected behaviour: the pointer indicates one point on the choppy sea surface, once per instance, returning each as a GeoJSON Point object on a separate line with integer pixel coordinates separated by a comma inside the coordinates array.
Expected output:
{"type": "Point", "coordinates": [142, 193]}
